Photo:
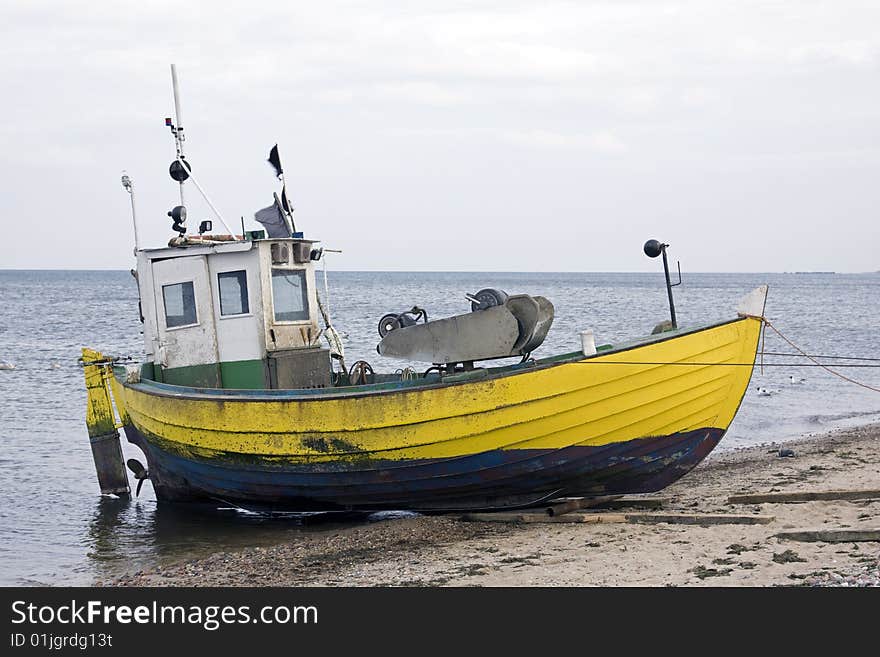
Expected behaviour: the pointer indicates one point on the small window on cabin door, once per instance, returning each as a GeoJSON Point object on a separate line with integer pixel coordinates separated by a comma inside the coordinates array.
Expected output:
{"type": "Point", "coordinates": [180, 304]}
{"type": "Point", "coordinates": [289, 295]}
{"type": "Point", "coordinates": [233, 293]}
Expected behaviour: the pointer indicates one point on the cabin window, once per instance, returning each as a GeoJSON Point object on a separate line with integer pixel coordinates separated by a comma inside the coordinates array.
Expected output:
{"type": "Point", "coordinates": [233, 292]}
{"type": "Point", "coordinates": [180, 304]}
{"type": "Point", "coordinates": [289, 295]}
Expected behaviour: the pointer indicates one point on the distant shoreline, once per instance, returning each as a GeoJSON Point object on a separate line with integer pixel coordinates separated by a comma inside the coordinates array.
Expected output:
{"type": "Point", "coordinates": [463, 271]}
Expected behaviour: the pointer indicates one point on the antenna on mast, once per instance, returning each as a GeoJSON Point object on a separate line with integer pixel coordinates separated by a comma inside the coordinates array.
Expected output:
{"type": "Point", "coordinates": [179, 169]}
{"type": "Point", "coordinates": [128, 185]}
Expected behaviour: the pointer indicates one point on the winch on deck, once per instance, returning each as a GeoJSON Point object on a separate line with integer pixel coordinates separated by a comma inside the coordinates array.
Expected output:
{"type": "Point", "coordinates": [498, 326]}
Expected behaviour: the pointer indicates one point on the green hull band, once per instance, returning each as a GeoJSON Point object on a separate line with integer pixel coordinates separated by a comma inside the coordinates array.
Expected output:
{"type": "Point", "coordinates": [239, 375]}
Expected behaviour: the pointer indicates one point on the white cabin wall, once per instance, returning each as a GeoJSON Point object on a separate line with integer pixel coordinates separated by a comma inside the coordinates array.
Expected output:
{"type": "Point", "coordinates": [288, 335]}
{"type": "Point", "coordinates": [194, 344]}
{"type": "Point", "coordinates": [239, 337]}
{"type": "Point", "coordinates": [148, 306]}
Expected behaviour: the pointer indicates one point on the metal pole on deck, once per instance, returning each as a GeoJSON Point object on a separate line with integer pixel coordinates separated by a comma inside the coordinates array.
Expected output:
{"type": "Point", "coordinates": [654, 248]}
{"type": "Point", "coordinates": [669, 287]}
{"type": "Point", "coordinates": [288, 211]}
{"type": "Point", "coordinates": [179, 137]}
{"type": "Point", "coordinates": [128, 184]}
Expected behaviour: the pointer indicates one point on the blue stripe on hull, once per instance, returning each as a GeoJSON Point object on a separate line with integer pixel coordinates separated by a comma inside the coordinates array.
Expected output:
{"type": "Point", "coordinates": [489, 479]}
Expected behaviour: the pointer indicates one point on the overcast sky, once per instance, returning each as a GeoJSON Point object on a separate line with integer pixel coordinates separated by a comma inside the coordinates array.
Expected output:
{"type": "Point", "coordinates": [534, 136]}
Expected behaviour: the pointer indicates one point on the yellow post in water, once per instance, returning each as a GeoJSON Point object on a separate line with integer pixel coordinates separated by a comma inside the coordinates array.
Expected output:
{"type": "Point", "coordinates": [101, 423]}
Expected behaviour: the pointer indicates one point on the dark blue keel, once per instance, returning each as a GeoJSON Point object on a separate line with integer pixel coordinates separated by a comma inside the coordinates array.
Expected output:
{"type": "Point", "coordinates": [498, 478]}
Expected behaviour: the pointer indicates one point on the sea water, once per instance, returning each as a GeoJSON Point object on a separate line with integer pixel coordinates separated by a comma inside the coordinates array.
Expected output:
{"type": "Point", "coordinates": [55, 528]}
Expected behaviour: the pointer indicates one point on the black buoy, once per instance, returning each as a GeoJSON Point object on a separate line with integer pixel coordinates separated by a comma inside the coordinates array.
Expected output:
{"type": "Point", "coordinates": [179, 172]}
{"type": "Point", "coordinates": [653, 248]}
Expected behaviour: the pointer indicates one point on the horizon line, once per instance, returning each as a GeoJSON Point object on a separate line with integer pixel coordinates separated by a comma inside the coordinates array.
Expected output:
{"type": "Point", "coordinates": [473, 271]}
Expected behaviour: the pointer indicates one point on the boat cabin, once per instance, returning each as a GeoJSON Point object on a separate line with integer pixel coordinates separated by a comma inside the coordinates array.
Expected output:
{"type": "Point", "coordinates": [232, 314]}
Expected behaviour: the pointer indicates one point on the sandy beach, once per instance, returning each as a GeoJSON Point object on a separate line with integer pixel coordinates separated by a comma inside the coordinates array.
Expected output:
{"type": "Point", "coordinates": [448, 551]}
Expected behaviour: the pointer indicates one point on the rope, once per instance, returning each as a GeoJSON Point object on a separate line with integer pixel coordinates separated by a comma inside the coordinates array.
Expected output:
{"type": "Point", "coordinates": [788, 353]}
{"type": "Point", "coordinates": [702, 364]}
{"type": "Point", "coordinates": [108, 360]}
{"type": "Point", "coordinates": [406, 374]}
{"type": "Point", "coordinates": [334, 341]}
{"type": "Point", "coordinates": [330, 333]}
{"type": "Point", "coordinates": [765, 322]}
{"type": "Point", "coordinates": [817, 363]}
{"type": "Point", "coordinates": [763, 335]}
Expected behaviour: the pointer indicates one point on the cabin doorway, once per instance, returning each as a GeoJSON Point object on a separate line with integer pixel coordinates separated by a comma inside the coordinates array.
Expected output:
{"type": "Point", "coordinates": [185, 318]}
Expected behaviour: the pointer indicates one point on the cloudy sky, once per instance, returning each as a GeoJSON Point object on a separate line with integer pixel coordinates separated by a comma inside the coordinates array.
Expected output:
{"type": "Point", "coordinates": [551, 136]}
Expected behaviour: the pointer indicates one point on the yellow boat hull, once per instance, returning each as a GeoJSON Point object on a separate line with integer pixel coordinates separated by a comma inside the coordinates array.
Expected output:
{"type": "Point", "coordinates": [632, 419]}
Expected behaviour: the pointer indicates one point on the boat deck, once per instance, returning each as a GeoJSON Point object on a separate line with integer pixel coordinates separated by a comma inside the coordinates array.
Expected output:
{"type": "Point", "coordinates": [392, 382]}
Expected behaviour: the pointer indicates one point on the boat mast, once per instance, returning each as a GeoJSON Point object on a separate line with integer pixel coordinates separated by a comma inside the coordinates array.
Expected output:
{"type": "Point", "coordinates": [181, 170]}
{"type": "Point", "coordinates": [654, 248]}
{"type": "Point", "coordinates": [177, 130]}
{"type": "Point", "coordinates": [669, 287]}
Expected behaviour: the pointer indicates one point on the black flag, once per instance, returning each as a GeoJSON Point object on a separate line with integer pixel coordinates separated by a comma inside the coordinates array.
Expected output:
{"type": "Point", "coordinates": [285, 202]}
{"type": "Point", "coordinates": [275, 160]}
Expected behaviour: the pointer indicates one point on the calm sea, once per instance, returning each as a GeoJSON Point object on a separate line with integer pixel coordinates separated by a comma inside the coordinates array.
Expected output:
{"type": "Point", "coordinates": [56, 529]}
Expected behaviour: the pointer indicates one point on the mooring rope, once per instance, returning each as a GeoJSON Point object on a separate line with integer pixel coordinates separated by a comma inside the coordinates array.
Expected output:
{"type": "Point", "coordinates": [334, 340]}
{"type": "Point", "coordinates": [816, 362]}
{"type": "Point", "coordinates": [765, 323]}
{"type": "Point", "coordinates": [705, 364]}
{"type": "Point", "coordinates": [788, 353]}
{"type": "Point", "coordinates": [763, 335]}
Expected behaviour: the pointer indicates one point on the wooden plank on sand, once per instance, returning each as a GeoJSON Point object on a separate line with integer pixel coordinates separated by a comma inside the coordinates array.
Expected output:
{"type": "Point", "coordinates": [575, 503]}
{"type": "Point", "coordinates": [538, 517]}
{"type": "Point", "coordinates": [699, 518]}
{"type": "Point", "coordinates": [831, 535]}
{"type": "Point", "coordinates": [637, 502]}
{"type": "Point", "coordinates": [704, 519]}
{"type": "Point", "coordinates": [804, 496]}
{"type": "Point", "coordinates": [565, 505]}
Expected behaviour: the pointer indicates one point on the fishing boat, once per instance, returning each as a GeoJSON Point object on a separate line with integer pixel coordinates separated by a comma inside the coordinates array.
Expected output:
{"type": "Point", "coordinates": [244, 397]}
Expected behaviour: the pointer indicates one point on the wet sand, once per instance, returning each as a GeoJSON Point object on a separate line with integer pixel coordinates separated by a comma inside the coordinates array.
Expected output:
{"type": "Point", "coordinates": [447, 551]}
